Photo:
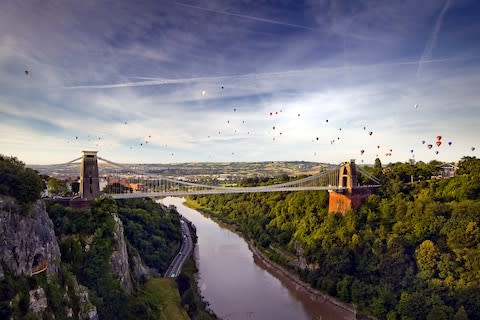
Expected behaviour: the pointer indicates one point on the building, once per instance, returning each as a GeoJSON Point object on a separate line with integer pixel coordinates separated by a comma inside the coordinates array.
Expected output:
{"type": "Point", "coordinates": [447, 170]}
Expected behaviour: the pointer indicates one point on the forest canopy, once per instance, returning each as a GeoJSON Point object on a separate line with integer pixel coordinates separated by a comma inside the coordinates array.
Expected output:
{"type": "Point", "coordinates": [411, 251]}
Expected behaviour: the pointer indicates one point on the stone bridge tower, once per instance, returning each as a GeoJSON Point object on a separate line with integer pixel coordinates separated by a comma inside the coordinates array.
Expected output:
{"type": "Point", "coordinates": [347, 196]}
{"type": "Point", "coordinates": [89, 180]}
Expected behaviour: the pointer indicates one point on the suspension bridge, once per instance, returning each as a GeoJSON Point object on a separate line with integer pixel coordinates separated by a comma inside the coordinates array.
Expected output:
{"type": "Point", "coordinates": [340, 180]}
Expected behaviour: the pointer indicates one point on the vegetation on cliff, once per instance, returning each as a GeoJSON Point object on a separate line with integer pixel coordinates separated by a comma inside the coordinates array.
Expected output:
{"type": "Point", "coordinates": [87, 244]}
{"type": "Point", "coordinates": [19, 182]}
{"type": "Point", "coordinates": [412, 251]}
{"type": "Point", "coordinates": [88, 238]}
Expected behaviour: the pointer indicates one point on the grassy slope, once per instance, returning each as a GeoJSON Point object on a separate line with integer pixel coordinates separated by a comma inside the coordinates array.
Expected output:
{"type": "Point", "coordinates": [164, 293]}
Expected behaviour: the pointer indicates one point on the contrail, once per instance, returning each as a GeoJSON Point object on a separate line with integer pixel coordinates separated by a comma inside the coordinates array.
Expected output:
{"type": "Point", "coordinates": [245, 16]}
{"type": "Point", "coordinates": [153, 81]}
{"type": "Point", "coordinates": [427, 52]}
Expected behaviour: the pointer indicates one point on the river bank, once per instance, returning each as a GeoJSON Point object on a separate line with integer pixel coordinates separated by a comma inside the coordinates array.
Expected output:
{"type": "Point", "coordinates": [317, 297]}
{"type": "Point", "coordinates": [187, 281]}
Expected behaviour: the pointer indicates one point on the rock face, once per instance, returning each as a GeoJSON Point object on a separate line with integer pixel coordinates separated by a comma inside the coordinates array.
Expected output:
{"type": "Point", "coordinates": [27, 240]}
{"type": "Point", "coordinates": [119, 258]}
{"type": "Point", "coordinates": [87, 310]}
{"type": "Point", "coordinates": [141, 273]}
{"type": "Point", "coordinates": [38, 300]}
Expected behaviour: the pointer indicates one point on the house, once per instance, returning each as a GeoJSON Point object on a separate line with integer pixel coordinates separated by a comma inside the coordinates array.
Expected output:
{"type": "Point", "coordinates": [447, 170]}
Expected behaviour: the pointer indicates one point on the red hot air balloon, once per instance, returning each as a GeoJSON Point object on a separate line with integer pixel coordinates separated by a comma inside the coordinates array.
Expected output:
{"type": "Point", "coordinates": [438, 143]}
{"type": "Point", "coordinates": [439, 137]}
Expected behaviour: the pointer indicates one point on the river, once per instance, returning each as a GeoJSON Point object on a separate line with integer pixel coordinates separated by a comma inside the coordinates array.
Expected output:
{"type": "Point", "coordinates": [239, 287]}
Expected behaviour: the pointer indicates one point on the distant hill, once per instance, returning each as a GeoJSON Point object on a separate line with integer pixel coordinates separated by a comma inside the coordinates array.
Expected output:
{"type": "Point", "coordinates": [267, 168]}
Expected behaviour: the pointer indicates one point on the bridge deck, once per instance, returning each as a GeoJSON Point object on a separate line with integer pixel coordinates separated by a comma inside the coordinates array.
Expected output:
{"type": "Point", "coordinates": [226, 191]}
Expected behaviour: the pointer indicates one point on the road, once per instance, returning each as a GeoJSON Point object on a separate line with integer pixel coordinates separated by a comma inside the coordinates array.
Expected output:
{"type": "Point", "coordinates": [185, 250]}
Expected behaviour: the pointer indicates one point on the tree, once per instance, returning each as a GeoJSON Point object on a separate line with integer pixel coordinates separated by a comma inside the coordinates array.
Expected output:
{"type": "Point", "coordinates": [427, 256]}
{"type": "Point", "coordinates": [378, 163]}
{"type": "Point", "coordinates": [57, 187]}
{"type": "Point", "coordinates": [469, 165]}
{"type": "Point", "coordinates": [461, 314]}
{"type": "Point", "coordinates": [19, 182]}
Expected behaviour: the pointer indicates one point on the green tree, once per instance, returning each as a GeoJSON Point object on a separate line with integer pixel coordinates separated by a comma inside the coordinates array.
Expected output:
{"type": "Point", "coordinates": [461, 314]}
{"type": "Point", "coordinates": [427, 256]}
{"type": "Point", "coordinates": [57, 187]}
{"type": "Point", "coordinates": [19, 182]}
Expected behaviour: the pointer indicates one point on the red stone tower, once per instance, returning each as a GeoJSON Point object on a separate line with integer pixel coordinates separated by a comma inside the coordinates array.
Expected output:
{"type": "Point", "coordinates": [347, 196]}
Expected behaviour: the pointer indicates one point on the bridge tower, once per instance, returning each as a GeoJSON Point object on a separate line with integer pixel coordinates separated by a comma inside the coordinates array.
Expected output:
{"type": "Point", "coordinates": [89, 180]}
{"type": "Point", "coordinates": [347, 196]}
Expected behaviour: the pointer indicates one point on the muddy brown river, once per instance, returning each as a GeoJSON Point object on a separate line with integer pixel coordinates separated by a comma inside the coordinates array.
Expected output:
{"type": "Point", "coordinates": [239, 287]}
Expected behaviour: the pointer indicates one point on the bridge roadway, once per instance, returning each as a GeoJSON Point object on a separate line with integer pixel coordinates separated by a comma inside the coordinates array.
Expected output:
{"type": "Point", "coordinates": [185, 250]}
{"type": "Point", "coordinates": [219, 190]}
{"type": "Point", "coordinates": [226, 190]}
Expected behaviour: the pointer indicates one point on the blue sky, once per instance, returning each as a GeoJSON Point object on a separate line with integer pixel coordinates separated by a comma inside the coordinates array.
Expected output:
{"type": "Point", "coordinates": [167, 81]}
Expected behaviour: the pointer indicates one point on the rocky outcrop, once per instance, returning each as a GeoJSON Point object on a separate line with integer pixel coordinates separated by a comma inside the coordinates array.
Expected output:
{"type": "Point", "coordinates": [27, 239]}
{"type": "Point", "coordinates": [119, 258]}
{"type": "Point", "coordinates": [141, 273]}
{"type": "Point", "coordinates": [38, 300]}
{"type": "Point", "coordinates": [87, 310]}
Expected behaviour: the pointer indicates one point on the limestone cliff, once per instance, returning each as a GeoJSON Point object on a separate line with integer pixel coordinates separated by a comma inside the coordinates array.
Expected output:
{"type": "Point", "coordinates": [27, 240]}
{"type": "Point", "coordinates": [28, 247]}
{"type": "Point", "coordinates": [119, 258]}
{"type": "Point", "coordinates": [140, 272]}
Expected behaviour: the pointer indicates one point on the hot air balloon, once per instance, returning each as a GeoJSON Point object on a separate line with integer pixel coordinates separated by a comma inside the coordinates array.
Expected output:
{"type": "Point", "coordinates": [204, 93]}
{"type": "Point", "coordinates": [439, 137]}
{"type": "Point", "coordinates": [473, 148]}
{"type": "Point", "coordinates": [416, 106]}
{"type": "Point", "coordinates": [411, 150]}
{"type": "Point", "coordinates": [429, 146]}
{"type": "Point", "coordinates": [326, 121]}
{"type": "Point", "coordinates": [234, 109]}
{"type": "Point", "coordinates": [423, 141]}
{"type": "Point", "coordinates": [438, 143]}
{"type": "Point", "coordinates": [436, 151]}
{"type": "Point", "coordinates": [362, 151]}
{"type": "Point", "coordinates": [370, 133]}
{"type": "Point", "coordinates": [27, 72]}
{"type": "Point", "coordinates": [449, 143]}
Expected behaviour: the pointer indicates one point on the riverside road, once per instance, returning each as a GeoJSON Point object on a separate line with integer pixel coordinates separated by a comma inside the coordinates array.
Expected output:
{"type": "Point", "coordinates": [185, 250]}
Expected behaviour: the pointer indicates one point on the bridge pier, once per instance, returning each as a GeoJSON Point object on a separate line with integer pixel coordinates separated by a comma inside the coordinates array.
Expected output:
{"type": "Point", "coordinates": [347, 197]}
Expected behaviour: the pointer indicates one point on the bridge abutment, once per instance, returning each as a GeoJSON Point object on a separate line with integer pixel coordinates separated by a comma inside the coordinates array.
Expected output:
{"type": "Point", "coordinates": [347, 197]}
